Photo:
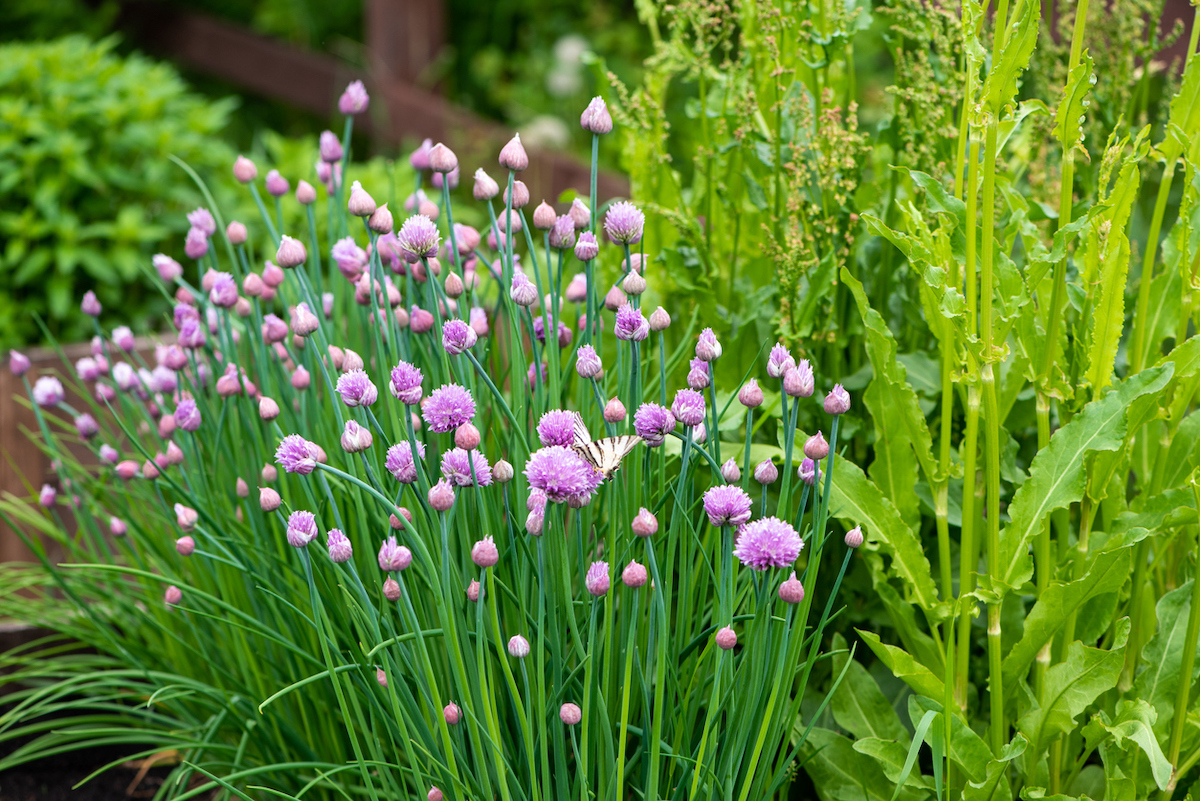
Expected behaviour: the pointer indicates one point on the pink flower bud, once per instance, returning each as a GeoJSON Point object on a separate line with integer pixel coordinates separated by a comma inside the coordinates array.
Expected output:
{"type": "Point", "coordinates": [485, 187]}
{"type": "Point", "coordinates": [269, 474]}
{"type": "Point", "coordinates": [730, 472]}
{"type": "Point", "coordinates": [452, 714]}
{"type": "Point", "coordinates": [441, 496]}
{"type": "Point", "coordinates": [186, 517]}
{"type": "Point", "coordinates": [766, 472]}
{"type": "Point", "coordinates": [644, 524]}
{"type": "Point", "coordinates": [520, 195]}
{"type": "Point", "coordinates": [18, 363]}
{"type": "Point", "coordinates": [301, 378]}
{"type": "Point", "coordinates": [454, 286]}
{"type": "Point", "coordinates": [791, 591]}
{"type": "Point", "coordinates": [614, 411]}
{"type": "Point", "coordinates": [615, 299]}
{"type": "Point", "coordinates": [633, 284]}
{"type": "Point", "coordinates": [126, 469]}
{"type": "Point", "coordinates": [503, 472]}
{"type": "Point", "coordinates": [268, 499]}
{"type": "Point", "coordinates": [391, 589]}
{"type": "Point", "coordinates": [816, 448]}
{"type": "Point", "coordinates": [305, 194]}
{"type": "Point", "coordinates": [291, 253]}
{"type": "Point", "coordinates": [173, 595]}
{"type": "Point", "coordinates": [473, 591]}
{"type": "Point", "coordinates": [570, 714]}
{"type": "Point", "coordinates": [466, 437]}
{"type": "Point", "coordinates": [513, 156]}
{"type": "Point", "coordinates": [268, 409]}
{"type": "Point", "coordinates": [634, 575]}
{"type": "Point", "coordinates": [149, 470]}
{"type": "Point", "coordinates": [244, 170]}
{"type": "Point", "coordinates": [484, 553]}
{"type": "Point", "coordinates": [596, 118]}
{"type": "Point", "coordinates": [726, 638]}
{"type": "Point", "coordinates": [360, 204]}
{"type": "Point", "coordinates": [442, 159]}
{"type": "Point", "coordinates": [381, 677]}
{"type": "Point", "coordinates": [544, 216]}
{"type": "Point", "coordinates": [837, 401]}
{"type": "Point", "coordinates": [174, 454]}
{"type": "Point", "coordinates": [381, 221]}
{"type": "Point", "coordinates": [434, 794]}
{"type": "Point", "coordinates": [660, 320]}
{"type": "Point", "coordinates": [750, 395]}
{"type": "Point", "coordinates": [854, 537]}
{"type": "Point", "coordinates": [117, 527]}
{"type": "Point", "coordinates": [186, 546]}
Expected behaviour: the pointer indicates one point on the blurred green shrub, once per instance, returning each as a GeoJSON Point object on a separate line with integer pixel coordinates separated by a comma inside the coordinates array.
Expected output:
{"type": "Point", "coordinates": [87, 191]}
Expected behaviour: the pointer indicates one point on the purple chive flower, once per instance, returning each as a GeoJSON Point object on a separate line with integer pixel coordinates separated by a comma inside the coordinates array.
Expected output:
{"type": "Point", "coordinates": [86, 426]}
{"type": "Point", "coordinates": [47, 496]}
{"type": "Point", "coordinates": [766, 543]}
{"type": "Point", "coordinates": [779, 361]}
{"type": "Point", "coordinates": [652, 423]}
{"type": "Point", "coordinates": [523, 292]}
{"type": "Point", "coordinates": [697, 377]}
{"type": "Point", "coordinates": [688, 407]}
{"type": "Point", "coordinates": [351, 259]}
{"type": "Point", "coordinates": [624, 223]}
{"type": "Point", "coordinates": [448, 407]}
{"type": "Point", "coordinates": [727, 505]}
{"type": "Point", "coordinates": [122, 337]}
{"type": "Point", "coordinates": [406, 383]}
{"type": "Point", "coordinates": [837, 401]}
{"type": "Point", "coordinates": [356, 388]}
{"type": "Point", "coordinates": [202, 218]}
{"type": "Point", "coordinates": [595, 118]}
{"type": "Point", "coordinates": [277, 185]}
{"type": "Point", "coordinates": [587, 362]}
{"type": "Point", "coordinates": [400, 461]}
{"type": "Point", "coordinates": [631, 324]}
{"type": "Point", "coordinates": [418, 237]}
{"type": "Point", "coordinates": [87, 369]}
{"type": "Point", "coordinates": [458, 337]}
{"type": "Point", "coordinates": [224, 292]}
{"type": "Point", "coordinates": [597, 580]}
{"type": "Point", "coordinates": [798, 381]}
{"type": "Point", "coordinates": [301, 529]}
{"type": "Point", "coordinates": [354, 100]}
{"type": "Point", "coordinates": [48, 391]}
{"type": "Point", "coordinates": [191, 334]}
{"type": "Point", "coordinates": [457, 464]}
{"type": "Point", "coordinates": [393, 557]}
{"type": "Point", "coordinates": [187, 415]}
{"type": "Point", "coordinates": [330, 147]}
{"type": "Point", "coordinates": [196, 244]}
{"type": "Point", "coordinates": [561, 473]}
{"type": "Point", "coordinates": [562, 235]}
{"type": "Point", "coordinates": [708, 348]}
{"type": "Point", "coordinates": [168, 269]}
{"type": "Point", "coordinates": [297, 455]}
{"type": "Point", "coordinates": [586, 249]}
{"type": "Point", "coordinates": [557, 427]}
{"type": "Point", "coordinates": [339, 546]}
{"type": "Point", "coordinates": [809, 473]}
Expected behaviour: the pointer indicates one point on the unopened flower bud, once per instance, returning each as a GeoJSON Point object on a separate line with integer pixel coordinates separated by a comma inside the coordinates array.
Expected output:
{"type": "Point", "coordinates": [730, 472]}
{"type": "Point", "coordinates": [854, 537]}
{"type": "Point", "coordinates": [513, 156]}
{"type": "Point", "coordinates": [791, 591]}
{"type": "Point", "coordinates": [268, 499]}
{"type": "Point", "coordinates": [244, 170]}
{"type": "Point", "coordinates": [391, 589]}
{"type": "Point", "coordinates": [766, 472]}
{"type": "Point", "coordinates": [570, 714]}
{"type": "Point", "coordinates": [381, 221]}
{"type": "Point", "coordinates": [816, 448]}
{"type": "Point", "coordinates": [454, 286]}
{"type": "Point", "coordinates": [484, 553]}
{"type": "Point", "coordinates": [837, 401]}
{"type": "Point", "coordinates": [644, 524]}
{"type": "Point", "coordinates": [520, 195]}
{"type": "Point", "coordinates": [466, 437]}
{"type": "Point", "coordinates": [441, 496]}
{"type": "Point", "coordinates": [268, 409]}
{"type": "Point", "coordinates": [518, 647]}
{"type": "Point", "coordinates": [660, 320]}
{"type": "Point", "coordinates": [185, 546]}
{"type": "Point", "coordinates": [442, 159]}
{"type": "Point", "coordinates": [544, 216]}
{"type": "Point", "coordinates": [634, 575]}
{"type": "Point", "coordinates": [485, 187]}
{"type": "Point", "coordinates": [305, 194]}
{"type": "Point", "coordinates": [726, 638]}
{"type": "Point", "coordinates": [750, 395]}
{"type": "Point", "coordinates": [503, 472]}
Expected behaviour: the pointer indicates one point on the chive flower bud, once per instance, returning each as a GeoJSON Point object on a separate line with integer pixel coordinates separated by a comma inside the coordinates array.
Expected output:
{"type": "Point", "coordinates": [614, 299]}
{"type": "Point", "coordinates": [633, 284]}
{"type": "Point", "coordinates": [244, 170]}
{"type": "Point", "coordinates": [726, 638]}
{"type": "Point", "coordinates": [766, 472]}
{"type": "Point", "coordinates": [442, 159]}
{"type": "Point", "coordinates": [434, 793]}
{"type": "Point", "coordinates": [708, 348]}
{"type": "Point", "coordinates": [837, 401]}
{"type": "Point", "coordinates": [614, 411]}
{"type": "Point", "coordinates": [354, 100]}
{"type": "Point", "coordinates": [791, 591]}
{"type": "Point", "coordinates": [595, 118]}
{"type": "Point", "coordinates": [816, 448]}
{"type": "Point", "coordinates": [467, 437]}
{"type": "Point", "coordinates": [544, 216]}
{"type": "Point", "coordinates": [173, 595]}
{"type": "Point", "coordinates": [750, 395]}
{"type": "Point", "coordinates": [580, 214]}
{"type": "Point", "coordinates": [485, 187]}
{"type": "Point", "coordinates": [634, 575]}
{"type": "Point", "coordinates": [441, 496]}
{"type": "Point", "coordinates": [597, 580]}
{"type": "Point", "coordinates": [18, 363]}
{"type": "Point", "coordinates": [452, 714]}
{"type": "Point", "coordinates": [236, 233]}
{"type": "Point", "coordinates": [644, 524]}
{"type": "Point", "coordinates": [697, 377]}
{"type": "Point", "coordinates": [570, 714]}
{"type": "Point", "coordinates": [291, 253]}
{"type": "Point", "coordinates": [473, 591]}
{"type": "Point", "coordinates": [185, 546]}
{"type": "Point", "coordinates": [381, 221]}
{"type": "Point", "coordinates": [355, 438]}
{"type": "Point", "coordinates": [779, 361]}
{"type": "Point", "coordinates": [513, 156]}
{"type": "Point", "coordinates": [586, 249]}
{"type": "Point", "coordinates": [484, 553]}
{"type": "Point", "coordinates": [305, 194]}
{"type": "Point", "coordinates": [117, 527]}
{"type": "Point", "coordinates": [562, 234]}
{"type": "Point", "coordinates": [268, 409]}
{"type": "Point", "coordinates": [419, 158]}
{"type": "Point", "coordinates": [360, 203]}
{"type": "Point", "coordinates": [391, 589]}
{"type": "Point", "coordinates": [730, 472]}
{"type": "Point", "coordinates": [518, 647]}
{"type": "Point", "coordinates": [503, 472]}
{"type": "Point", "coordinates": [659, 319]}
{"type": "Point", "coordinates": [330, 147]}
{"type": "Point", "coordinates": [301, 528]}
{"type": "Point", "coordinates": [854, 537]}
{"type": "Point", "coordinates": [587, 362]}
{"type": "Point", "coordinates": [277, 185]}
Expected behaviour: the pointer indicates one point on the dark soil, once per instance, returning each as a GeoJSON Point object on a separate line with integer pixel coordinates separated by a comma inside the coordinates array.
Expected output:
{"type": "Point", "coordinates": [54, 783]}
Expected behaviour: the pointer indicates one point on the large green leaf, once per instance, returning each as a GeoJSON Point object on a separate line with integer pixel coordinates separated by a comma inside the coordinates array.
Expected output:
{"type": "Point", "coordinates": [1059, 600]}
{"type": "Point", "coordinates": [995, 786]}
{"type": "Point", "coordinates": [1057, 475]}
{"type": "Point", "coordinates": [890, 756]}
{"type": "Point", "coordinates": [859, 706]}
{"type": "Point", "coordinates": [1001, 84]}
{"type": "Point", "coordinates": [1163, 655]}
{"type": "Point", "coordinates": [904, 666]}
{"type": "Point", "coordinates": [1070, 687]}
{"type": "Point", "coordinates": [840, 773]}
{"type": "Point", "coordinates": [1067, 118]}
{"type": "Point", "coordinates": [855, 499]}
{"type": "Point", "coordinates": [1133, 730]}
{"type": "Point", "coordinates": [1108, 315]}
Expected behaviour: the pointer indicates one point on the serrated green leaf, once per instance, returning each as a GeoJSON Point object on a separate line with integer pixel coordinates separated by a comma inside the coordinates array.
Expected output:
{"type": "Point", "coordinates": [1067, 128]}
{"type": "Point", "coordinates": [855, 499]}
{"type": "Point", "coordinates": [1071, 686]}
{"type": "Point", "coordinates": [1057, 475]}
{"type": "Point", "coordinates": [1108, 316]}
{"type": "Point", "coordinates": [1001, 85]}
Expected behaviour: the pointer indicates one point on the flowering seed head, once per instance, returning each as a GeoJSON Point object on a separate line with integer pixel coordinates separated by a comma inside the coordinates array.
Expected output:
{"type": "Point", "coordinates": [418, 237]}
{"type": "Point", "coordinates": [406, 383]}
{"type": "Point", "coordinates": [458, 337]}
{"type": "Point", "coordinates": [562, 235]}
{"type": "Point", "coordinates": [560, 473]}
{"type": "Point", "coordinates": [779, 361]}
{"type": "Point", "coordinates": [766, 543]}
{"type": "Point", "coordinates": [652, 423]}
{"type": "Point", "coordinates": [631, 325]}
{"type": "Point", "coordinates": [296, 454]}
{"type": "Point", "coordinates": [48, 391]}
{"type": "Point", "coordinates": [301, 528]}
{"type": "Point", "coordinates": [557, 427]}
{"type": "Point", "coordinates": [688, 407]}
{"type": "Point", "coordinates": [523, 292]}
{"type": "Point", "coordinates": [587, 362]}
{"type": "Point", "coordinates": [457, 466]}
{"type": "Point", "coordinates": [727, 505]}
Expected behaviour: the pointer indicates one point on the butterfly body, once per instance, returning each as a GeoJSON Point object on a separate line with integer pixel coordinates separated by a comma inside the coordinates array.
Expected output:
{"type": "Point", "coordinates": [604, 455]}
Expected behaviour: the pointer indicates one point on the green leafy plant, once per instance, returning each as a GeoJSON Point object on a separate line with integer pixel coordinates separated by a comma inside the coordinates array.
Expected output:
{"type": "Point", "coordinates": [999, 264]}
{"type": "Point", "coordinates": [87, 192]}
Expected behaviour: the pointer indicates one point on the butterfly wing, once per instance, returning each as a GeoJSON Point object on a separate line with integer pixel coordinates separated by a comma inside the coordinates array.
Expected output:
{"type": "Point", "coordinates": [583, 437]}
{"type": "Point", "coordinates": [606, 454]}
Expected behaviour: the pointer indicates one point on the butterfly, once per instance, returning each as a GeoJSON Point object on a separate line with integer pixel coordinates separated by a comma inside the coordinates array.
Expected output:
{"type": "Point", "coordinates": [604, 455]}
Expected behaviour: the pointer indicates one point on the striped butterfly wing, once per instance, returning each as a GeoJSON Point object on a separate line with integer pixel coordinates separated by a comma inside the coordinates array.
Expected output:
{"type": "Point", "coordinates": [606, 454]}
{"type": "Point", "coordinates": [583, 437]}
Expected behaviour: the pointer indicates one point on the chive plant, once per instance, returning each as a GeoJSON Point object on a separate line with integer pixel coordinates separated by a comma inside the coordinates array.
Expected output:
{"type": "Point", "coordinates": [425, 518]}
